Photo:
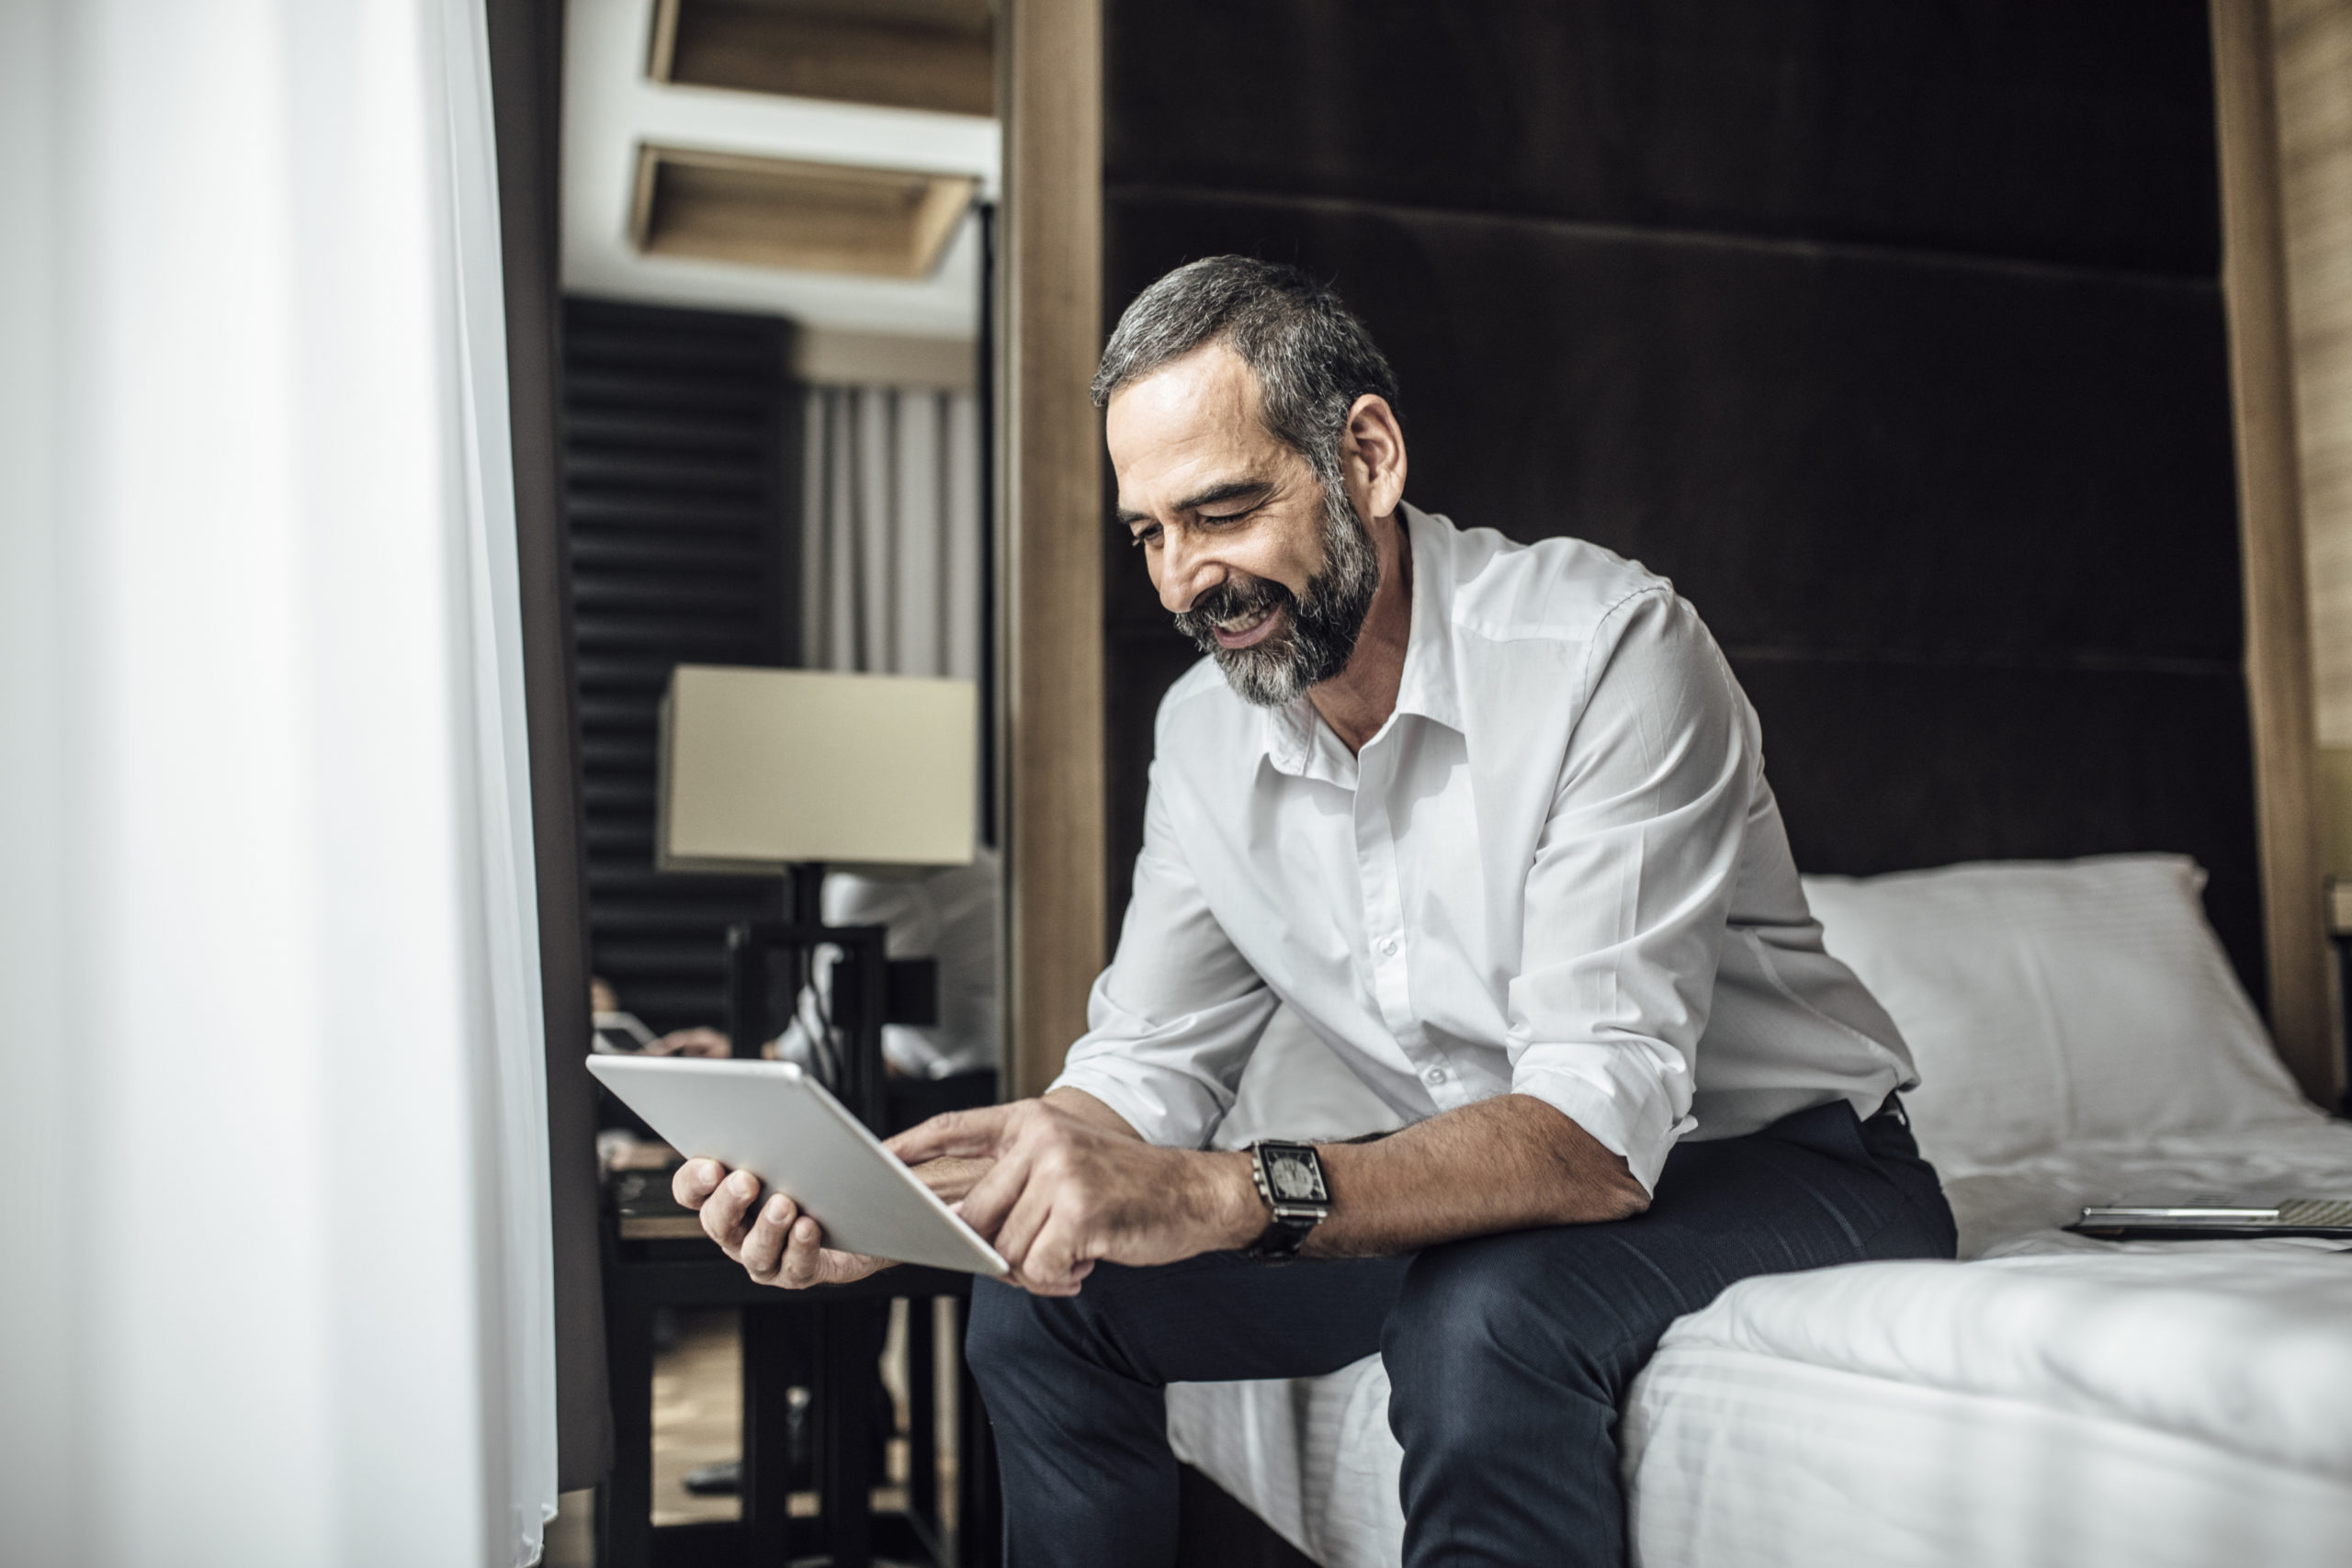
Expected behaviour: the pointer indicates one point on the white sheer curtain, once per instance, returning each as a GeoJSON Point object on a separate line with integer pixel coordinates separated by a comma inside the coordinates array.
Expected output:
{"type": "Point", "coordinates": [890, 522]}
{"type": "Point", "coordinates": [891, 584]}
{"type": "Point", "coordinates": [276, 1279]}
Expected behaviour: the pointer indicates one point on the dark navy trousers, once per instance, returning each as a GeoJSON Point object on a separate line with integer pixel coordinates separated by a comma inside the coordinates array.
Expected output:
{"type": "Point", "coordinates": [1508, 1355]}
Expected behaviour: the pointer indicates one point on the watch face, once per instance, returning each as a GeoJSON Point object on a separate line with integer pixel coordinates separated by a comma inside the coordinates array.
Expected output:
{"type": "Point", "coordinates": [1296, 1176]}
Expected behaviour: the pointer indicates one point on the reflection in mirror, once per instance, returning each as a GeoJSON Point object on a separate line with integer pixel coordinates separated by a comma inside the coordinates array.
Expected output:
{"type": "Point", "coordinates": [775, 409]}
{"type": "Point", "coordinates": [776, 233]}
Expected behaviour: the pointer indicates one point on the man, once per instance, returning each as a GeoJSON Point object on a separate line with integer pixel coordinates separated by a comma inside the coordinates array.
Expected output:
{"type": "Point", "coordinates": [1493, 821]}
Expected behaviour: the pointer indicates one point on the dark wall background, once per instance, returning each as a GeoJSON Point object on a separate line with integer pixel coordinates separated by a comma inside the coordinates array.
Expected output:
{"type": "Point", "coordinates": [1892, 333]}
{"type": "Point", "coordinates": [681, 495]}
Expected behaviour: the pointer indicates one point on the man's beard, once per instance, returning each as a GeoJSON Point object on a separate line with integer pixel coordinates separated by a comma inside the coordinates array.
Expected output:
{"type": "Point", "coordinates": [1319, 627]}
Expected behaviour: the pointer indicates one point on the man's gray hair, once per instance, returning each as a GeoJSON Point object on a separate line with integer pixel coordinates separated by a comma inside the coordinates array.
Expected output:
{"type": "Point", "coordinates": [1312, 358]}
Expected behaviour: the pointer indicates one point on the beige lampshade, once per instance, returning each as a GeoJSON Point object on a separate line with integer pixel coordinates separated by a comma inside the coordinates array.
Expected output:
{"type": "Point", "coordinates": [765, 768]}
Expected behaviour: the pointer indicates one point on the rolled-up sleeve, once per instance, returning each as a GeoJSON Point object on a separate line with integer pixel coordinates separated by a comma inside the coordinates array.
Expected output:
{"type": "Point", "coordinates": [1172, 1021]}
{"type": "Point", "coordinates": [1632, 884]}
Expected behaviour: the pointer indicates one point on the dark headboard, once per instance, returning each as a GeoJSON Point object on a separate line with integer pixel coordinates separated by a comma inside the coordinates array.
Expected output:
{"type": "Point", "coordinates": [1890, 332]}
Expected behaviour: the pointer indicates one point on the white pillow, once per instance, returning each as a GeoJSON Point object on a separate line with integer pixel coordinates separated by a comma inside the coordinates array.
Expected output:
{"type": "Point", "coordinates": [2055, 1003]}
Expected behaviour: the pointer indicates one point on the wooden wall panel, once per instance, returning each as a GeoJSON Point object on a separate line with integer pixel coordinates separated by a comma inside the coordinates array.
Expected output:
{"type": "Point", "coordinates": [2074, 133]}
{"type": "Point", "coordinates": [1053, 524]}
{"type": "Point", "coordinates": [2313, 40]}
{"type": "Point", "coordinates": [1895, 334]}
{"type": "Point", "coordinates": [2278, 651]}
{"type": "Point", "coordinates": [1835, 456]}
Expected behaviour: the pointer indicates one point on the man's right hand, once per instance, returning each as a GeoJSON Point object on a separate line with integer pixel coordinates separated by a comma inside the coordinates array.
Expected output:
{"type": "Point", "coordinates": [775, 1243]}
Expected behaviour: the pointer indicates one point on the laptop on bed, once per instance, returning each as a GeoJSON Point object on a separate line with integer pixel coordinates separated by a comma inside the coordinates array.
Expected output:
{"type": "Point", "coordinates": [2197, 1221]}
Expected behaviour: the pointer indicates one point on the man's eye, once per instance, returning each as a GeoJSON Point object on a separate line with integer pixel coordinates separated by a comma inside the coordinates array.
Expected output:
{"type": "Point", "coordinates": [1227, 518]}
{"type": "Point", "coordinates": [1142, 536]}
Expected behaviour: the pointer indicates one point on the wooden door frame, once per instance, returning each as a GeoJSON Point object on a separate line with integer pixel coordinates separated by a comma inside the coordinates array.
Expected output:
{"type": "Point", "coordinates": [1050, 540]}
{"type": "Point", "coordinates": [2278, 612]}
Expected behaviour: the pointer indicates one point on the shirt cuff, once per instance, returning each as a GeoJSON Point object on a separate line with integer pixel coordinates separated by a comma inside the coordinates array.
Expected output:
{"type": "Point", "coordinates": [1626, 1116]}
{"type": "Point", "coordinates": [1170, 1109]}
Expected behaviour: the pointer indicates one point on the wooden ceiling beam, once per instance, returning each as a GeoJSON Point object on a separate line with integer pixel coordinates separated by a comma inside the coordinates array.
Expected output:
{"type": "Point", "coordinates": [913, 54]}
{"type": "Point", "coordinates": [782, 212]}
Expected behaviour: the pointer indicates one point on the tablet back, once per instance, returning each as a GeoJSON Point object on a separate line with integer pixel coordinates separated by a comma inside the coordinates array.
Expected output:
{"type": "Point", "coordinates": [770, 1118]}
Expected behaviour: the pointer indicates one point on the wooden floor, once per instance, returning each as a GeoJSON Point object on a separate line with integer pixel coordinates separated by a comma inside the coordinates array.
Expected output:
{"type": "Point", "coordinates": [698, 1420]}
{"type": "Point", "coordinates": [697, 1415]}
{"type": "Point", "coordinates": [571, 1538]}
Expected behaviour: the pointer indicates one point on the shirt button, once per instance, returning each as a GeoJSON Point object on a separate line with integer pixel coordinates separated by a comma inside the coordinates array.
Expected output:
{"type": "Point", "coordinates": [1388, 947]}
{"type": "Point", "coordinates": [1434, 1076]}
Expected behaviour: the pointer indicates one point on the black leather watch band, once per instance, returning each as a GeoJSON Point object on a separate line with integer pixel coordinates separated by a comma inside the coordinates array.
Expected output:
{"type": "Point", "coordinates": [1290, 1183]}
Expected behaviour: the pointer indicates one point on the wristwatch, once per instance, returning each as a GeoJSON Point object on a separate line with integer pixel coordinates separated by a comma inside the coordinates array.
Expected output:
{"type": "Point", "coordinates": [1290, 1180]}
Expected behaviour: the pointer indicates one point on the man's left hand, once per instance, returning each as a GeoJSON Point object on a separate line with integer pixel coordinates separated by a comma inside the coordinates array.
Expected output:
{"type": "Point", "coordinates": [1065, 1193]}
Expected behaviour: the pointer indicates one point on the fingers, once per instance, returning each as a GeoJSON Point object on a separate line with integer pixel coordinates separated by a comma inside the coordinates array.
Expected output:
{"type": "Point", "coordinates": [727, 1210]}
{"type": "Point", "coordinates": [786, 1248]}
{"type": "Point", "coordinates": [951, 1178]}
{"type": "Point", "coordinates": [1051, 1266]}
{"type": "Point", "coordinates": [963, 1135]}
{"type": "Point", "coordinates": [774, 1242]}
{"type": "Point", "coordinates": [1045, 1251]}
{"type": "Point", "coordinates": [994, 1195]}
{"type": "Point", "coordinates": [1015, 1239]}
{"type": "Point", "coordinates": [694, 1180]}
{"type": "Point", "coordinates": [1041, 1238]}
{"type": "Point", "coordinates": [805, 1257]}
{"type": "Point", "coordinates": [765, 1243]}
{"type": "Point", "coordinates": [699, 1041]}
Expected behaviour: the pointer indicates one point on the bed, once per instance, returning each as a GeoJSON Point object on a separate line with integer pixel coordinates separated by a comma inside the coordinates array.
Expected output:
{"type": "Point", "coordinates": [2050, 1399]}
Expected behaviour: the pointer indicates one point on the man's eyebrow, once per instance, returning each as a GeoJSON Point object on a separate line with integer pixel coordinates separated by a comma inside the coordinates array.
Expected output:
{"type": "Point", "coordinates": [1231, 489]}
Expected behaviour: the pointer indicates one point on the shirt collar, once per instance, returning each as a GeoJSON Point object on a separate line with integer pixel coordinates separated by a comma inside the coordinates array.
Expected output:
{"type": "Point", "coordinates": [1290, 734]}
{"type": "Point", "coordinates": [1287, 734]}
{"type": "Point", "coordinates": [1428, 686]}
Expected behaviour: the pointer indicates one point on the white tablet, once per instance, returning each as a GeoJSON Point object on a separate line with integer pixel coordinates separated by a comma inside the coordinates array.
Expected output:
{"type": "Point", "coordinates": [773, 1120]}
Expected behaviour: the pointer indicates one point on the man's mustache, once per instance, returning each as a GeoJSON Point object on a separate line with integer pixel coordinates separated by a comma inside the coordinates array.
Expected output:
{"type": "Point", "coordinates": [1230, 601]}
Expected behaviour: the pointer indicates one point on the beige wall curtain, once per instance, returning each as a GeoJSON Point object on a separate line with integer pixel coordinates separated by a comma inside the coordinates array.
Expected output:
{"type": "Point", "coordinates": [891, 524]}
{"type": "Point", "coordinates": [891, 585]}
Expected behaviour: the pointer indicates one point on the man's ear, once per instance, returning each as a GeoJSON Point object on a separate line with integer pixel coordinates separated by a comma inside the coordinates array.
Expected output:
{"type": "Point", "coordinates": [1373, 448]}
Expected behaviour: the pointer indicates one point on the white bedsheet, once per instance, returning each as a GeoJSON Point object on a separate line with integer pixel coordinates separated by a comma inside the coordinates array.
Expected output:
{"type": "Point", "coordinates": [2064, 1401]}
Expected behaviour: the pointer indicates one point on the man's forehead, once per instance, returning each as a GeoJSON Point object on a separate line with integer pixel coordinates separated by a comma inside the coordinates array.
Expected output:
{"type": "Point", "coordinates": [1208, 394]}
{"type": "Point", "coordinates": [1190, 418]}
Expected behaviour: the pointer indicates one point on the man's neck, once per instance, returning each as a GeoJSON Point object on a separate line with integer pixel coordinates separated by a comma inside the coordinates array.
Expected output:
{"type": "Point", "coordinates": [1357, 701]}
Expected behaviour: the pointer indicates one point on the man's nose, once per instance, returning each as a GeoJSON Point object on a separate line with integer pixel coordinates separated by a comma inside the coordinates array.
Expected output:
{"type": "Point", "coordinates": [1186, 571]}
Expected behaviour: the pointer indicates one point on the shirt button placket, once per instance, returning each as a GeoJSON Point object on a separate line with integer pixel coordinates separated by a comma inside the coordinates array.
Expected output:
{"type": "Point", "coordinates": [1384, 913]}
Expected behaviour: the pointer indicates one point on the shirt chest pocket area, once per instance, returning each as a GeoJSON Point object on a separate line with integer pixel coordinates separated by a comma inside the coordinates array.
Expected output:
{"type": "Point", "coordinates": [1432, 880]}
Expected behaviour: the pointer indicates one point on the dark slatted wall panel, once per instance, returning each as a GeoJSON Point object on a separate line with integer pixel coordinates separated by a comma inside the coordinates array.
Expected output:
{"type": "Point", "coordinates": [675, 473]}
{"type": "Point", "coordinates": [1890, 332]}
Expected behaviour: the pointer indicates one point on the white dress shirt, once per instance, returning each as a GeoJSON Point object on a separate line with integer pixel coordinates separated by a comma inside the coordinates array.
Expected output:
{"type": "Point", "coordinates": [1556, 870]}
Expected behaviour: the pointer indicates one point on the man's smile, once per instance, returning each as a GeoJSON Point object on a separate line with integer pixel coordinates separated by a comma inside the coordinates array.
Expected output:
{"type": "Point", "coordinates": [1250, 631]}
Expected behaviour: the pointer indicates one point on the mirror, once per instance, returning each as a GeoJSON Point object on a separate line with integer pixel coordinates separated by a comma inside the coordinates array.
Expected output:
{"type": "Point", "coordinates": [777, 231]}
{"type": "Point", "coordinates": [778, 220]}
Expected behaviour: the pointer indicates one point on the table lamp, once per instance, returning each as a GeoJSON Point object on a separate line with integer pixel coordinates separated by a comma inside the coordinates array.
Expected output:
{"type": "Point", "coordinates": [766, 772]}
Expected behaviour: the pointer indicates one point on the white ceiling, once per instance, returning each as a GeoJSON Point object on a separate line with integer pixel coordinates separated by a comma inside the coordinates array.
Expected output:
{"type": "Point", "coordinates": [610, 107]}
